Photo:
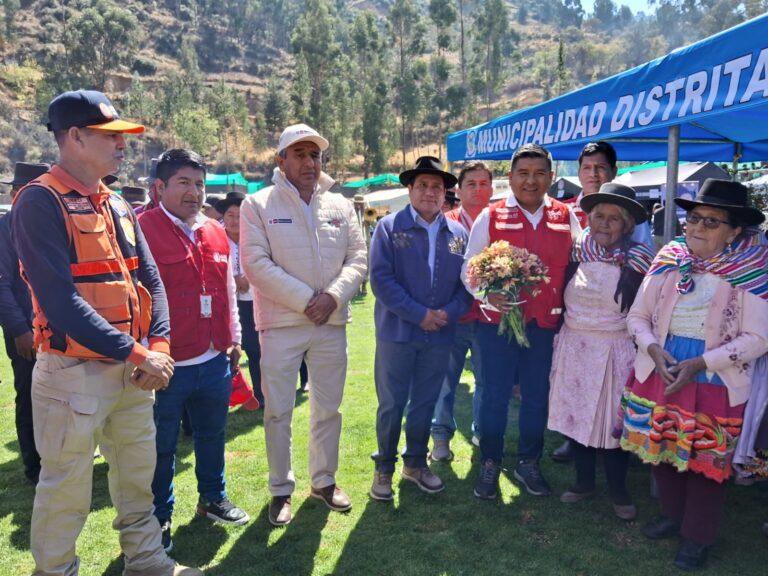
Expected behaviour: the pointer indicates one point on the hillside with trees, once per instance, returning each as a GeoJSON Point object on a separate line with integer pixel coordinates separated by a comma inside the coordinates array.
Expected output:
{"type": "Point", "coordinates": [384, 80]}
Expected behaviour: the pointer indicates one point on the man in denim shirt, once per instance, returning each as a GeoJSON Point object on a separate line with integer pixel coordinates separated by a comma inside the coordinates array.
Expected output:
{"type": "Point", "coordinates": [415, 268]}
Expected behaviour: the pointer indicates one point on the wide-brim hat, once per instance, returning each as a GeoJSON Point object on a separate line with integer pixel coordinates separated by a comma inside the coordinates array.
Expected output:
{"type": "Point", "coordinates": [231, 199]}
{"type": "Point", "coordinates": [428, 165]}
{"type": "Point", "coordinates": [25, 172]}
{"type": "Point", "coordinates": [618, 194]}
{"type": "Point", "coordinates": [134, 194]}
{"type": "Point", "coordinates": [726, 195]}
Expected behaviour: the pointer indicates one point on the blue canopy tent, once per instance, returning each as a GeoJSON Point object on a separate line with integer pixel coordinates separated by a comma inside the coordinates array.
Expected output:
{"type": "Point", "coordinates": [706, 101]}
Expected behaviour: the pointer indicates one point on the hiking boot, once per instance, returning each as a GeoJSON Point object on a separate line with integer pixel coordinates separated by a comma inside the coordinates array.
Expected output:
{"type": "Point", "coordinates": [222, 511]}
{"type": "Point", "coordinates": [381, 489]}
{"type": "Point", "coordinates": [333, 496]}
{"type": "Point", "coordinates": [528, 473]}
{"type": "Point", "coordinates": [280, 510]}
{"type": "Point", "coordinates": [165, 568]}
{"type": "Point", "coordinates": [441, 451]}
{"type": "Point", "coordinates": [660, 528]}
{"type": "Point", "coordinates": [487, 484]}
{"type": "Point", "coordinates": [424, 479]}
{"type": "Point", "coordinates": [165, 535]}
{"type": "Point", "coordinates": [691, 556]}
{"type": "Point", "coordinates": [563, 453]}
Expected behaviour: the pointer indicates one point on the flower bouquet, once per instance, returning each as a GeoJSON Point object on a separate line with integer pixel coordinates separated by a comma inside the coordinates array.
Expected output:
{"type": "Point", "coordinates": [512, 271]}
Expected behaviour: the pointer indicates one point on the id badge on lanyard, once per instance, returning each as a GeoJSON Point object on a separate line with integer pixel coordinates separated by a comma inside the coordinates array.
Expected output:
{"type": "Point", "coordinates": [206, 305]}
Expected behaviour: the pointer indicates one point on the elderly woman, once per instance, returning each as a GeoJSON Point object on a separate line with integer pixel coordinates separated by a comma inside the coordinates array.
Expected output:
{"type": "Point", "coordinates": [594, 353]}
{"type": "Point", "coordinates": [700, 320]}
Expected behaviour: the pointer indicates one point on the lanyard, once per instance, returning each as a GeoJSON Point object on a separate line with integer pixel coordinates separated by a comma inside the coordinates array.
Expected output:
{"type": "Point", "coordinates": [190, 245]}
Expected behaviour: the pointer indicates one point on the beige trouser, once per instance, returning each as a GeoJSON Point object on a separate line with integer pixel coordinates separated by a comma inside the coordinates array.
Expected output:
{"type": "Point", "coordinates": [282, 350]}
{"type": "Point", "coordinates": [77, 404]}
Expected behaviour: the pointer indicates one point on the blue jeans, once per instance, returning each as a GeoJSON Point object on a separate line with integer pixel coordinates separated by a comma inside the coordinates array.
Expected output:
{"type": "Point", "coordinates": [506, 363]}
{"type": "Point", "coordinates": [204, 390]}
{"type": "Point", "coordinates": [443, 422]}
{"type": "Point", "coordinates": [406, 373]}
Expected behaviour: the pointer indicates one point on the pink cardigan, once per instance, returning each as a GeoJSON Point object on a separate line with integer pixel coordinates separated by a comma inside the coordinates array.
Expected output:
{"type": "Point", "coordinates": [735, 331]}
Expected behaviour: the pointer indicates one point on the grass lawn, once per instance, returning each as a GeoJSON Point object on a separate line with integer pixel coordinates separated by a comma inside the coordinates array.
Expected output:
{"type": "Point", "coordinates": [452, 533]}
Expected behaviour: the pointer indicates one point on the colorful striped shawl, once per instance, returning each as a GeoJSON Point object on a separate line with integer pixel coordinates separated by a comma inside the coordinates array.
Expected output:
{"type": "Point", "coordinates": [743, 265]}
{"type": "Point", "coordinates": [637, 257]}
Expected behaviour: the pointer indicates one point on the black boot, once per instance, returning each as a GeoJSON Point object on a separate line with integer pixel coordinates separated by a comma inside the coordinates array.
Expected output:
{"type": "Point", "coordinates": [691, 556]}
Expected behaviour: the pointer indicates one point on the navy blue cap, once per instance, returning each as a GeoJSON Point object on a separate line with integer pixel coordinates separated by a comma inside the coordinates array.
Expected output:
{"type": "Point", "coordinates": [87, 109]}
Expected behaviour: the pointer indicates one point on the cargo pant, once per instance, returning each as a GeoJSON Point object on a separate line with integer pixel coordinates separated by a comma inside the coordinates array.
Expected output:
{"type": "Point", "coordinates": [282, 350]}
{"type": "Point", "coordinates": [76, 405]}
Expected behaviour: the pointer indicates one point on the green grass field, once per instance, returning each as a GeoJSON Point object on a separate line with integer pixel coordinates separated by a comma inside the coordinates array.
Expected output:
{"type": "Point", "coordinates": [452, 533]}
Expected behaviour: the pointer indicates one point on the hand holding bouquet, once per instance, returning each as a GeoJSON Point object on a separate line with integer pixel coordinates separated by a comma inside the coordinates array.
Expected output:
{"type": "Point", "coordinates": [512, 272]}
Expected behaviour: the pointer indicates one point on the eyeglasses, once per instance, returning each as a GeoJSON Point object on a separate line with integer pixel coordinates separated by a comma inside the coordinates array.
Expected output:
{"type": "Point", "coordinates": [711, 223]}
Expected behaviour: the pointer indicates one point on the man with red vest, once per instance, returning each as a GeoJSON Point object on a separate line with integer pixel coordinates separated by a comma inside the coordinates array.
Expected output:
{"type": "Point", "coordinates": [546, 227]}
{"type": "Point", "coordinates": [192, 254]}
{"type": "Point", "coordinates": [475, 190]}
{"type": "Point", "coordinates": [101, 330]}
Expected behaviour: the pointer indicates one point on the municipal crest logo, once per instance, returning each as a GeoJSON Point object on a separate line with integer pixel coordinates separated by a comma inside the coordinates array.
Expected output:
{"type": "Point", "coordinates": [401, 239]}
{"type": "Point", "coordinates": [471, 148]}
{"type": "Point", "coordinates": [457, 245]}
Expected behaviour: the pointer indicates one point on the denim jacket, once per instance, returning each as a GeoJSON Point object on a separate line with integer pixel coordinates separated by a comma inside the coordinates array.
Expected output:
{"type": "Point", "coordinates": [402, 282]}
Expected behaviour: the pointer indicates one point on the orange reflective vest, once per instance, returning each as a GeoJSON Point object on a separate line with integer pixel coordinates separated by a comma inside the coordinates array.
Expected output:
{"type": "Point", "coordinates": [104, 265]}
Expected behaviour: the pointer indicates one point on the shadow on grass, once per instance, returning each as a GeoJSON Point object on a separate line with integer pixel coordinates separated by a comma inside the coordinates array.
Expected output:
{"type": "Point", "coordinates": [19, 495]}
{"type": "Point", "coordinates": [292, 554]}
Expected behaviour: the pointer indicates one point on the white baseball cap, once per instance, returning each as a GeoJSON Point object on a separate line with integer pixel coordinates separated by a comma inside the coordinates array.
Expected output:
{"type": "Point", "coordinates": [300, 133]}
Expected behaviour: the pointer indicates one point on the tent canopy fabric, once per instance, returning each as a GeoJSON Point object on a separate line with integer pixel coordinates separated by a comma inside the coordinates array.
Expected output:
{"type": "Point", "coordinates": [236, 179]}
{"type": "Point", "coordinates": [657, 176]}
{"type": "Point", "coordinates": [715, 89]}
{"type": "Point", "coordinates": [380, 180]}
{"type": "Point", "coordinates": [645, 166]}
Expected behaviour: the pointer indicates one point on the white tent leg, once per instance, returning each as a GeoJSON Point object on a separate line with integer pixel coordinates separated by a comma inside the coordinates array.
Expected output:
{"type": "Point", "coordinates": [673, 157]}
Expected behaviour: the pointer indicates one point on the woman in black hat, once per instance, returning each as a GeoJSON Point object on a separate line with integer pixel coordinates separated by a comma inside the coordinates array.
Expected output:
{"type": "Point", "coordinates": [700, 321]}
{"type": "Point", "coordinates": [594, 353]}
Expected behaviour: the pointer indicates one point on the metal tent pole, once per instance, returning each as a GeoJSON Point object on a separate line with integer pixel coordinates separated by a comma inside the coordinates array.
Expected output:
{"type": "Point", "coordinates": [673, 157]}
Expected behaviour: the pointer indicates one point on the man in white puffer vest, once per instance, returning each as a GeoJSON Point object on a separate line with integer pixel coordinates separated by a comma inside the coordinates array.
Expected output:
{"type": "Point", "coordinates": [303, 251]}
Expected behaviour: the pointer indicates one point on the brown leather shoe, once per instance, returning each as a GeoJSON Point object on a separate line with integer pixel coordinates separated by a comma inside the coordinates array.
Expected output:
{"type": "Point", "coordinates": [280, 511]}
{"type": "Point", "coordinates": [424, 479]}
{"type": "Point", "coordinates": [571, 496]}
{"type": "Point", "coordinates": [333, 496]}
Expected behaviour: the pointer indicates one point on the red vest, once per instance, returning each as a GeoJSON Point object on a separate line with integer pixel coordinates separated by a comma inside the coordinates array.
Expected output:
{"type": "Point", "coordinates": [474, 313]}
{"type": "Point", "coordinates": [551, 241]}
{"type": "Point", "coordinates": [189, 270]}
{"type": "Point", "coordinates": [577, 211]}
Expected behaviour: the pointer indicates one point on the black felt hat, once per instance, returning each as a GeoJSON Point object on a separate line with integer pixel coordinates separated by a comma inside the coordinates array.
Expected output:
{"type": "Point", "coordinates": [428, 165]}
{"type": "Point", "coordinates": [231, 199]}
{"type": "Point", "coordinates": [726, 195]}
{"type": "Point", "coordinates": [619, 194]}
{"type": "Point", "coordinates": [24, 172]}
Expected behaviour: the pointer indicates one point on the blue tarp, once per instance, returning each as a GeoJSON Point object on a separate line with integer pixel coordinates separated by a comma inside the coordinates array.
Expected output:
{"type": "Point", "coordinates": [716, 90]}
